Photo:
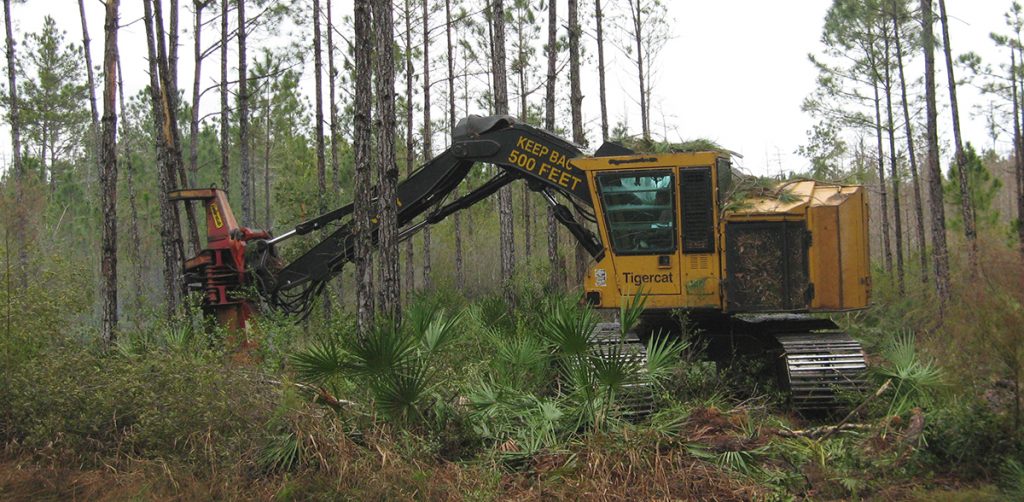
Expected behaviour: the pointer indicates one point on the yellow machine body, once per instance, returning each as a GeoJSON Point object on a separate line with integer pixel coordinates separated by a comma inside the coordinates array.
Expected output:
{"type": "Point", "coordinates": [673, 227]}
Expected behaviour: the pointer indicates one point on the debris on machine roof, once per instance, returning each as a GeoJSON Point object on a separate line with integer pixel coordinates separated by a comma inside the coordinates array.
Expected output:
{"type": "Point", "coordinates": [641, 145]}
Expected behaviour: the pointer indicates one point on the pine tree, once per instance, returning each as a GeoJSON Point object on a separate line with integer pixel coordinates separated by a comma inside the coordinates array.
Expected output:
{"type": "Point", "coordinates": [557, 275]}
{"type": "Point", "coordinates": [427, 131]}
{"type": "Point", "coordinates": [602, 94]}
{"type": "Point", "coordinates": [940, 254]}
{"type": "Point", "coordinates": [164, 116]}
{"type": "Point", "coordinates": [966, 205]}
{"type": "Point", "coordinates": [108, 173]}
{"type": "Point", "coordinates": [899, 18]}
{"type": "Point", "coordinates": [390, 285]}
{"type": "Point", "coordinates": [460, 278]}
{"type": "Point", "coordinates": [363, 209]}
{"type": "Point", "coordinates": [500, 82]}
{"type": "Point", "coordinates": [225, 142]}
{"type": "Point", "coordinates": [243, 118]}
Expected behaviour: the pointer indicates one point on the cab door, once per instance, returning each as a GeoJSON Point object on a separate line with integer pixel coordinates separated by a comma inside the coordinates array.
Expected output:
{"type": "Point", "coordinates": [639, 209]}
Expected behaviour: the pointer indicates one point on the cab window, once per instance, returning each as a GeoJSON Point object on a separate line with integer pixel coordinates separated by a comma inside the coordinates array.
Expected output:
{"type": "Point", "coordinates": [639, 211]}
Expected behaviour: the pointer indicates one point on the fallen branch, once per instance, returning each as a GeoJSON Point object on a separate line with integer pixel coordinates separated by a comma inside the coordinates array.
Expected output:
{"type": "Point", "coordinates": [320, 394]}
{"type": "Point", "coordinates": [881, 390]}
{"type": "Point", "coordinates": [823, 431]}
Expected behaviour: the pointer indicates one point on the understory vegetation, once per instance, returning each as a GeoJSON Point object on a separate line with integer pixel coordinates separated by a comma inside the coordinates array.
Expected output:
{"type": "Point", "coordinates": [467, 400]}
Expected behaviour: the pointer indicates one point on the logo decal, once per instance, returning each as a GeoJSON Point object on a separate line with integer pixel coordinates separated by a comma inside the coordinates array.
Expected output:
{"type": "Point", "coordinates": [215, 214]}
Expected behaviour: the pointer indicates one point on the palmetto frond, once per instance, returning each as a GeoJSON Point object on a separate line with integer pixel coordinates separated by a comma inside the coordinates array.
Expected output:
{"type": "Point", "coordinates": [568, 328]}
{"type": "Point", "coordinates": [440, 331]}
{"type": "Point", "coordinates": [663, 356]}
{"type": "Point", "coordinates": [915, 380]}
{"type": "Point", "coordinates": [319, 362]}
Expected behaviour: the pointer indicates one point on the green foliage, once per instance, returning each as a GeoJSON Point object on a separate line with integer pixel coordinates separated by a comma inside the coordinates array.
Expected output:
{"type": "Point", "coordinates": [916, 382]}
{"type": "Point", "coordinates": [983, 190]}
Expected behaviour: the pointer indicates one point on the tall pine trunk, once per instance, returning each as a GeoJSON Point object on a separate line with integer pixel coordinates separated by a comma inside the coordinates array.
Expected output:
{"type": "Point", "coordinates": [170, 55]}
{"type": "Point", "coordinates": [890, 129]}
{"type": "Point", "coordinates": [108, 174]}
{"type": "Point", "coordinates": [602, 95]}
{"type": "Point", "coordinates": [460, 278]}
{"type": "Point", "coordinates": [133, 208]}
{"type": "Point", "coordinates": [321, 164]}
{"type": "Point", "coordinates": [410, 152]}
{"type": "Point", "coordinates": [427, 132]}
{"type": "Point", "coordinates": [14, 119]}
{"type": "Point", "coordinates": [576, 111]}
{"type": "Point", "coordinates": [1018, 151]}
{"type": "Point", "coordinates": [390, 285]}
{"type": "Point", "coordinates": [966, 204]}
{"type": "Point", "coordinates": [940, 253]}
{"type": "Point", "coordinates": [635, 12]}
{"type": "Point", "coordinates": [557, 274]}
{"type": "Point", "coordinates": [12, 95]}
{"type": "Point", "coordinates": [505, 218]}
{"type": "Point", "coordinates": [332, 78]}
{"type": "Point", "coordinates": [363, 208]}
{"type": "Point", "coordinates": [912, 154]}
{"type": "Point", "coordinates": [883, 195]}
{"type": "Point", "coordinates": [225, 125]}
{"type": "Point", "coordinates": [94, 132]}
{"type": "Point", "coordinates": [243, 118]}
{"type": "Point", "coordinates": [164, 127]}
{"type": "Point", "coordinates": [197, 58]}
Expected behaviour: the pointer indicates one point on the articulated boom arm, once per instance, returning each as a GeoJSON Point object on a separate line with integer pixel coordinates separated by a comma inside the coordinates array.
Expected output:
{"type": "Point", "coordinates": [520, 151]}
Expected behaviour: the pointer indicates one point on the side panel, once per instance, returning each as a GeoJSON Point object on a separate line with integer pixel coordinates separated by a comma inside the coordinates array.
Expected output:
{"type": "Point", "coordinates": [700, 250]}
{"type": "Point", "coordinates": [853, 246]}
{"type": "Point", "coordinates": [825, 257]}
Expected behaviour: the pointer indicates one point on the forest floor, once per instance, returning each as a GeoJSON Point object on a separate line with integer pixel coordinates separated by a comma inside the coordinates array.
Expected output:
{"type": "Point", "coordinates": [170, 412]}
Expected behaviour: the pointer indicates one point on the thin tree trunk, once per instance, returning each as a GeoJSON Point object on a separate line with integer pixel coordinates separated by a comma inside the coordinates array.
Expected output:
{"type": "Point", "coordinates": [133, 208]}
{"type": "Point", "coordinates": [576, 108]}
{"type": "Point", "coordinates": [635, 12]}
{"type": "Point", "coordinates": [267, 223]}
{"type": "Point", "coordinates": [321, 164]}
{"type": "Point", "coordinates": [891, 131]}
{"type": "Point", "coordinates": [427, 132]}
{"type": "Point", "coordinates": [557, 275]}
{"type": "Point", "coordinates": [225, 145]}
{"type": "Point", "coordinates": [243, 118]}
{"type": "Point", "coordinates": [887, 246]}
{"type": "Point", "coordinates": [12, 95]}
{"type": "Point", "coordinates": [410, 154]}
{"type": "Point", "coordinates": [193, 146]}
{"type": "Point", "coordinates": [14, 119]}
{"type": "Point", "coordinates": [91, 79]}
{"type": "Point", "coordinates": [170, 81]}
{"type": "Point", "coordinates": [383, 24]}
{"type": "Point", "coordinates": [332, 78]}
{"type": "Point", "coordinates": [170, 230]}
{"type": "Point", "coordinates": [911, 151]}
{"type": "Point", "coordinates": [108, 175]}
{"type": "Point", "coordinates": [940, 254]}
{"type": "Point", "coordinates": [363, 208]}
{"type": "Point", "coordinates": [197, 58]}
{"type": "Point", "coordinates": [966, 204]}
{"type": "Point", "coordinates": [460, 279]}
{"type": "Point", "coordinates": [524, 116]}
{"type": "Point", "coordinates": [505, 217]}
{"type": "Point", "coordinates": [1018, 151]}
{"type": "Point", "coordinates": [602, 95]}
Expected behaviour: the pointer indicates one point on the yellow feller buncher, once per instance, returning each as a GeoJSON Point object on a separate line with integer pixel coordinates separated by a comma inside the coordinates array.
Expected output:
{"type": "Point", "coordinates": [750, 271]}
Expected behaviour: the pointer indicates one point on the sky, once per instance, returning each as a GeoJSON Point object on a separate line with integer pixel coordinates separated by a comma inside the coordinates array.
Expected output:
{"type": "Point", "coordinates": [734, 71]}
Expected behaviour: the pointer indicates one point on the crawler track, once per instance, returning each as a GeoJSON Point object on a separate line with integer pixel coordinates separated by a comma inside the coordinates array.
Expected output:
{"type": "Point", "coordinates": [637, 397]}
{"type": "Point", "coordinates": [819, 368]}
